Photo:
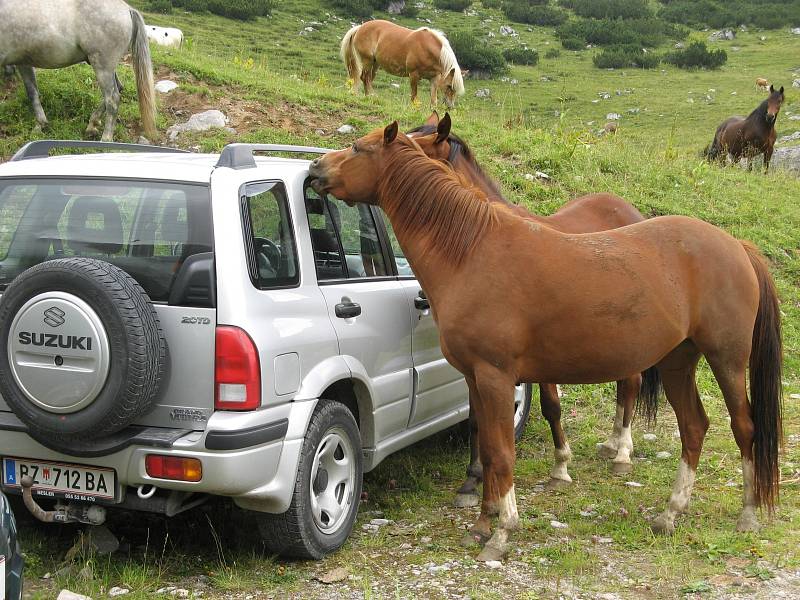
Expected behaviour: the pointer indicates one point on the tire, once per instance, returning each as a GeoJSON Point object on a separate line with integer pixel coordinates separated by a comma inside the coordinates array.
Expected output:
{"type": "Point", "coordinates": [523, 394]}
{"type": "Point", "coordinates": [298, 532]}
{"type": "Point", "coordinates": [108, 323]}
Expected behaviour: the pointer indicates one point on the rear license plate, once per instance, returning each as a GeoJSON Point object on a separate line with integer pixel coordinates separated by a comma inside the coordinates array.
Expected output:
{"type": "Point", "coordinates": [74, 482]}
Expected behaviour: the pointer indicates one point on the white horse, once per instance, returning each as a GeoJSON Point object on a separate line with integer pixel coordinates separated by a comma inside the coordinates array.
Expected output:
{"type": "Point", "coordinates": [51, 34]}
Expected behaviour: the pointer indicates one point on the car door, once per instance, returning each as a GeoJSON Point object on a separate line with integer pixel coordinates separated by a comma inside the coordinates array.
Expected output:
{"type": "Point", "coordinates": [366, 304]}
{"type": "Point", "coordinates": [438, 387]}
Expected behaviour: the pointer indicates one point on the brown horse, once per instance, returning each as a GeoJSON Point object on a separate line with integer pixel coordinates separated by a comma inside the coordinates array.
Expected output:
{"type": "Point", "coordinates": [748, 137]}
{"type": "Point", "coordinates": [593, 212]}
{"type": "Point", "coordinates": [422, 53]}
{"type": "Point", "coordinates": [516, 301]}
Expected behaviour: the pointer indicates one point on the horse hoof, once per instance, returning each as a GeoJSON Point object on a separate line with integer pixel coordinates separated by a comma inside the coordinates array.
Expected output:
{"type": "Point", "coordinates": [556, 484]}
{"type": "Point", "coordinates": [606, 450]}
{"type": "Point", "coordinates": [491, 552]}
{"type": "Point", "coordinates": [466, 500]}
{"type": "Point", "coordinates": [663, 526]}
{"type": "Point", "coordinates": [747, 523]}
{"type": "Point", "coordinates": [621, 468]}
{"type": "Point", "coordinates": [471, 540]}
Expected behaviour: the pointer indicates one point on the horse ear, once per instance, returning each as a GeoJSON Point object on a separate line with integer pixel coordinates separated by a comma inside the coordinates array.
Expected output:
{"type": "Point", "coordinates": [433, 120]}
{"type": "Point", "coordinates": [443, 130]}
{"type": "Point", "coordinates": [451, 75]}
{"type": "Point", "coordinates": [771, 88]}
{"type": "Point", "coordinates": [781, 90]}
{"type": "Point", "coordinates": [390, 133]}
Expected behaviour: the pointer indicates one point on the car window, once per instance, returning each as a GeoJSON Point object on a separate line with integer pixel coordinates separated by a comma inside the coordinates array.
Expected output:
{"type": "Point", "coordinates": [400, 260]}
{"type": "Point", "coordinates": [146, 228]}
{"type": "Point", "coordinates": [273, 258]}
{"type": "Point", "coordinates": [345, 239]}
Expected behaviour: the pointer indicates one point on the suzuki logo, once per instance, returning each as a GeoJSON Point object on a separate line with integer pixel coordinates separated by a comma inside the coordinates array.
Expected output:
{"type": "Point", "coordinates": [54, 316]}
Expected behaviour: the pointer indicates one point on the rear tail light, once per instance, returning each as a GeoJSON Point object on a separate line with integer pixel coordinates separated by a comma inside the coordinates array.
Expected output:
{"type": "Point", "coordinates": [237, 372]}
{"type": "Point", "coordinates": [173, 467]}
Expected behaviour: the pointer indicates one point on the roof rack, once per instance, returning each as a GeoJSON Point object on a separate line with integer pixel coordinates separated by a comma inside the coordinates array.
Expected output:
{"type": "Point", "coordinates": [240, 156]}
{"type": "Point", "coordinates": [42, 148]}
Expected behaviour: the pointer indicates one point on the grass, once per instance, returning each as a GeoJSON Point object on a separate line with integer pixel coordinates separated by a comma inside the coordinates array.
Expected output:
{"type": "Point", "coordinates": [292, 85]}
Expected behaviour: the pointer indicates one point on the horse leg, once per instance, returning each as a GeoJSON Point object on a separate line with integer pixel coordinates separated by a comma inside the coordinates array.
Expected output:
{"type": "Point", "coordinates": [627, 390]}
{"type": "Point", "coordinates": [29, 79]}
{"type": "Point", "coordinates": [767, 158]}
{"type": "Point", "coordinates": [106, 79]}
{"type": "Point", "coordinates": [467, 494]}
{"type": "Point", "coordinates": [678, 374]}
{"type": "Point", "coordinates": [434, 90]}
{"type": "Point", "coordinates": [414, 80]}
{"type": "Point", "coordinates": [551, 410]}
{"type": "Point", "coordinates": [496, 431]}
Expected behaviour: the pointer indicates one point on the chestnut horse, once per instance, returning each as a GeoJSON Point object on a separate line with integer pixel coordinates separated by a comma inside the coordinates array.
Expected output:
{"type": "Point", "coordinates": [748, 137]}
{"type": "Point", "coordinates": [519, 302]}
{"type": "Point", "coordinates": [593, 212]}
{"type": "Point", "coordinates": [422, 53]}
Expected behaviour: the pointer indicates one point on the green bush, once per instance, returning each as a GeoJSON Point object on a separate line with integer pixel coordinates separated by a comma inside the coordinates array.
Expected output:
{"type": "Point", "coordinates": [533, 13]}
{"type": "Point", "coordinates": [650, 32]}
{"type": "Point", "coordinates": [697, 56]}
{"type": "Point", "coordinates": [492, 3]}
{"type": "Point", "coordinates": [160, 6]}
{"type": "Point", "coordinates": [573, 43]}
{"type": "Point", "coordinates": [622, 57]}
{"type": "Point", "coordinates": [454, 5]}
{"type": "Point", "coordinates": [243, 10]}
{"type": "Point", "coordinates": [476, 54]}
{"type": "Point", "coordinates": [552, 53]}
{"type": "Point", "coordinates": [409, 9]}
{"type": "Point", "coordinates": [191, 5]}
{"type": "Point", "coordinates": [358, 8]}
{"type": "Point", "coordinates": [520, 55]}
{"type": "Point", "coordinates": [767, 14]}
{"type": "Point", "coordinates": [609, 9]}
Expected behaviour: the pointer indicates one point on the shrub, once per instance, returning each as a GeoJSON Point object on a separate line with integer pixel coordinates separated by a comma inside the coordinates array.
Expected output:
{"type": "Point", "coordinates": [191, 5]}
{"type": "Point", "coordinates": [621, 57]}
{"type": "Point", "coordinates": [697, 56]}
{"type": "Point", "coordinates": [492, 3]}
{"type": "Point", "coordinates": [243, 10]}
{"type": "Point", "coordinates": [533, 13]}
{"type": "Point", "coordinates": [359, 8]}
{"type": "Point", "coordinates": [767, 14]}
{"type": "Point", "coordinates": [160, 6]}
{"type": "Point", "coordinates": [552, 53]}
{"type": "Point", "coordinates": [573, 43]}
{"type": "Point", "coordinates": [476, 54]}
{"type": "Point", "coordinates": [650, 32]}
{"type": "Point", "coordinates": [454, 5]}
{"type": "Point", "coordinates": [410, 9]}
{"type": "Point", "coordinates": [609, 9]}
{"type": "Point", "coordinates": [520, 55]}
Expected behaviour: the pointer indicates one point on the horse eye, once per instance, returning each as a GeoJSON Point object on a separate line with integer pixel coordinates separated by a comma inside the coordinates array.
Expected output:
{"type": "Point", "coordinates": [355, 149]}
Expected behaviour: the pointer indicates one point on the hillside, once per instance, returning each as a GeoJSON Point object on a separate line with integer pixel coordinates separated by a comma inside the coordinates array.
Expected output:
{"type": "Point", "coordinates": [279, 82]}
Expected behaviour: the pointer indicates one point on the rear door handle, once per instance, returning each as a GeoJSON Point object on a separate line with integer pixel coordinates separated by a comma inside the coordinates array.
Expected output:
{"type": "Point", "coordinates": [347, 310]}
{"type": "Point", "coordinates": [421, 301]}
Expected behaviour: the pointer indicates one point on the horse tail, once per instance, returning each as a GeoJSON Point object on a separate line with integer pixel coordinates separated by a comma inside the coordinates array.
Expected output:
{"type": "Point", "coordinates": [352, 61]}
{"type": "Point", "coordinates": [143, 69]}
{"type": "Point", "coordinates": [766, 359]}
{"type": "Point", "coordinates": [649, 394]}
{"type": "Point", "coordinates": [447, 60]}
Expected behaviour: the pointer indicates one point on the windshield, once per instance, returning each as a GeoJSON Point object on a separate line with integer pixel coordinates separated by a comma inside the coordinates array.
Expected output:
{"type": "Point", "coordinates": [146, 228]}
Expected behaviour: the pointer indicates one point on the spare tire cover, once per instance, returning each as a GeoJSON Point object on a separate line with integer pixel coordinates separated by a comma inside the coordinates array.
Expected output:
{"type": "Point", "coordinates": [85, 353]}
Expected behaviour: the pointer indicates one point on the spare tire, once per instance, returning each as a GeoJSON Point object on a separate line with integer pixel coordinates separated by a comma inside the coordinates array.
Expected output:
{"type": "Point", "coordinates": [85, 354]}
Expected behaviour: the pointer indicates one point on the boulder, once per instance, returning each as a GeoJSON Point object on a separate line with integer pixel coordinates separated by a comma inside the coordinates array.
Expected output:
{"type": "Point", "coordinates": [209, 119]}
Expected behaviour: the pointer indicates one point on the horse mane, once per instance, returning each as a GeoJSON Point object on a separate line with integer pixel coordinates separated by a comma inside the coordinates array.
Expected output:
{"type": "Point", "coordinates": [458, 147]}
{"type": "Point", "coordinates": [760, 111]}
{"type": "Point", "coordinates": [447, 59]}
{"type": "Point", "coordinates": [423, 195]}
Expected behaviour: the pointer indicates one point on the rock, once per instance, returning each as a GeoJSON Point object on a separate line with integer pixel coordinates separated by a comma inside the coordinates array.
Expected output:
{"type": "Point", "coordinates": [724, 34]}
{"type": "Point", "coordinates": [333, 576]}
{"type": "Point", "coordinates": [787, 158]}
{"type": "Point", "coordinates": [735, 48]}
{"type": "Point", "coordinates": [319, 132]}
{"type": "Point", "coordinates": [118, 591]}
{"type": "Point", "coordinates": [789, 138]}
{"type": "Point", "coordinates": [650, 437]}
{"type": "Point", "coordinates": [209, 119]}
{"type": "Point", "coordinates": [604, 95]}
{"type": "Point", "coordinates": [794, 396]}
{"type": "Point", "coordinates": [610, 127]}
{"type": "Point", "coordinates": [425, 540]}
{"type": "Point", "coordinates": [395, 85]}
{"type": "Point", "coordinates": [379, 522]}
{"type": "Point", "coordinates": [796, 83]}
{"type": "Point", "coordinates": [514, 82]}
{"type": "Point", "coordinates": [180, 593]}
{"type": "Point", "coordinates": [763, 38]}
{"type": "Point", "coordinates": [634, 484]}
{"type": "Point", "coordinates": [396, 7]}
{"type": "Point", "coordinates": [143, 141]}
{"type": "Point", "coordinates": [558, 525]}
{"type": "Point", "coordinates": [596, 539]}
{"type": "Point", "coordinates": [663, 455]}
{"type": "Point", "coordinates": [680, 45]}
{"type": "Point", "coordinates": [165, 86]}
{"type": "Point", "coordinates": [344, 129]}
{"type": "Point", "coordinates": [67, 595]}
{"type": "Point", "coordinates": [795, 30]}
{"type": "Point", "coordinates": [613, 116]}
{"type": "Point", "coordinates": [483, 93]}
{"type": "Point", "coordinates": [507, 30]}
{"type": "Point", "coordinates": [86, 572]}
{"type": "Point", "coordinates": [493, 564]}
{"type": "Point", "coordinates": [633, 111]}
{"type": "Point", "coordinates": [794, 118]}
{"type": "Point", "coordinates": [588, 513]}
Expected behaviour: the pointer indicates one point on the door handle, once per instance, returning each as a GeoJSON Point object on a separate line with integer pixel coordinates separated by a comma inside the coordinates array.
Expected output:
{"type": "Point", "coordinates": [347, 310]}
{"type": "Point", "coordinates": [421, 301]}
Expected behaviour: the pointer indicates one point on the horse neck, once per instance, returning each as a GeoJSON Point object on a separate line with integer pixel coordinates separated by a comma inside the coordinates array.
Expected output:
{"type": "Point", "coordinates": [470, 169]}
{"type": "Point", "coordinates": [759, 116]}
{"type": "Point", "coordinates": [438, 218]}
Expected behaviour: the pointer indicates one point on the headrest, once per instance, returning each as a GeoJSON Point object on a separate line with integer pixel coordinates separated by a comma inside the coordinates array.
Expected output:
{"type": "Point", "coordinates": [94, 225]}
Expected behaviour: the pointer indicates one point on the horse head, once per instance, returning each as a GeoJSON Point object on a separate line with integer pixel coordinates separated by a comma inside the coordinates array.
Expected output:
{"type": "Point", "coordinates": [433, 137]}
{"type": "Point", "coordinates": [354, 174]}
{"type": "Point", "coordinates": [774, 103]}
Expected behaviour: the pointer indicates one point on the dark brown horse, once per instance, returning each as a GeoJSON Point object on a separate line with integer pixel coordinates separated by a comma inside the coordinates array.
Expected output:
{"type": "Point", "coordinates": [593, 212]}
{"type": "Point", "coordinates": [740, 137]}
{"type": "Point", "coordinates": [422, 53]}
{"type": "Point", "coordinates": [516, 301]}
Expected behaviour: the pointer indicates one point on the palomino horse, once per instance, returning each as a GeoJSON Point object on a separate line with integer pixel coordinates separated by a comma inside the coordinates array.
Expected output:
{"type": "Point", "coordinates": [516, 301]}
{"type": "Point", "coordinates": [593, 212]}
{"type": "Point", "coordinates": [422, 53]}
{"type": "Point", "coordinates": [39, 34]}
{"type": "Point", "coordinates": [748, 137]}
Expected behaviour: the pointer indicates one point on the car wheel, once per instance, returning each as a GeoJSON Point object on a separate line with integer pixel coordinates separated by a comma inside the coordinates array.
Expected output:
{"type": "Point", "coordinates": [327, 489]}
{"type": "Point", "coordinates": [523, 393]}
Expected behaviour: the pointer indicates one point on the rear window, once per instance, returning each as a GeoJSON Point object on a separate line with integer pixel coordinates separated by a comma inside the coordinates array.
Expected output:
{"type": "Point", "coordinates": [146, 228]}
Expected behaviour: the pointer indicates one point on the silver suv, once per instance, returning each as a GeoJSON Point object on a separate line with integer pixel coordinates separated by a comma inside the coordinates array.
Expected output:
{"type": "Point", "coordinates": [180, 325]}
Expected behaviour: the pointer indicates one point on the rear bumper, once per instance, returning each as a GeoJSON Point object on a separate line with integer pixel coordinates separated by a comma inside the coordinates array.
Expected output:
{"type": "Point", "coordinates": [249, 456]}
